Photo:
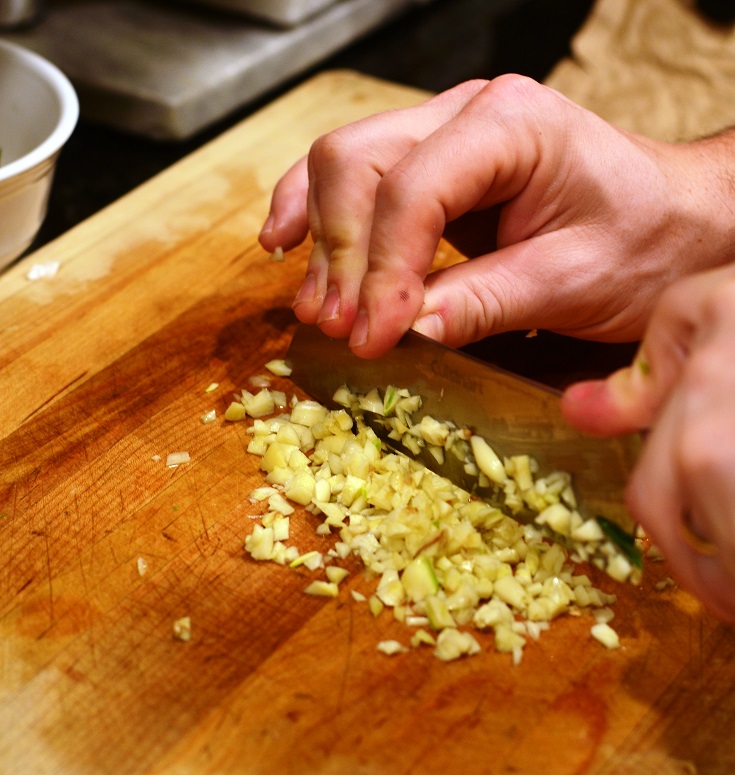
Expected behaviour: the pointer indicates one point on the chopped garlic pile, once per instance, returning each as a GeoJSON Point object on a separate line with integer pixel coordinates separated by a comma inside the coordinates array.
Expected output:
{"type": "Point", "coordinates": [445, 563]}
{"type": "Point", "coordinates": [469, 460]}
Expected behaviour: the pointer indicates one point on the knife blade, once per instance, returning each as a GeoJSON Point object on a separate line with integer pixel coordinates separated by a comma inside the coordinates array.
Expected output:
{"type": "Point", "coordinates": [516, 415]}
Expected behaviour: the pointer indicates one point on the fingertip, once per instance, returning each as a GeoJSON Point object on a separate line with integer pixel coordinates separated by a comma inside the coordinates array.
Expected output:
{"type": "Point", "coordinates": [286, 235]}
{"type": "Point", "coordinates": [307, 303]}
{"type": "Point", "coordinates": [585, 392]}
{"type": "Point", "coordinates": [265, 238]}
{"type": "Point", "coordinates": [585, 405]}
{"type": "Point", "coordinates": [622, 403]}
{"type": "Point", "coordinates": [336, 315]}
{"type": "Point", "coordinates": [331, 306]}
{"type": "Point", "coordinates": [367, 342]}
{"type": "Point", "coordinates": [286, 224]}
{"type": "Point", "coordinates": [430, 325]}
{"type": "Point", "coordinates": [601, 407]}
{"type": "Point", "coordinates": [360, 330]}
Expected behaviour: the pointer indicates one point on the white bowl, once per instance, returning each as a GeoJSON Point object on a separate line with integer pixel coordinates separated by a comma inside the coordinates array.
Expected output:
{"type": "Point", "coordinates": [38, 111]}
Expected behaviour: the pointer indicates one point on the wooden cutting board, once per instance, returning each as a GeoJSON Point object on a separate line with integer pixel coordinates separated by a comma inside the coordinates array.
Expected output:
{"type": "Point", "coordinates": [103, 369]}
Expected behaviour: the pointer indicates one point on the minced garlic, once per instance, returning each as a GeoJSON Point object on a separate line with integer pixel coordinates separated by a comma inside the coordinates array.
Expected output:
{"type": "Point", "coordinates": [182, 628]}
{"type": "Point", "coordinates": [443, 559]}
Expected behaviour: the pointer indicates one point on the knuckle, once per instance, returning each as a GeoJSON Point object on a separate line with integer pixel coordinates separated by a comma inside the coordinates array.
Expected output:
{"type": "Point", "coordinates": [472, 86]}
{"type": "Point", "coordinates": [511, 91]}
{"type": "Point", "coordinates": [334, 149]}
{"type": "Point", "coordinates": [396, 187]}
{"type": "Point", "coordinates": [519, 107]}
{"type": "Point", "coordinates": [404, 192]}
{"type": "Point", "coordinates": [342, 256]}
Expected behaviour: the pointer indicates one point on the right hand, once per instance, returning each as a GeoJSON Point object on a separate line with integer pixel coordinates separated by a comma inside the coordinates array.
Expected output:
{"type": "Point", "coordinates": [680, 389]}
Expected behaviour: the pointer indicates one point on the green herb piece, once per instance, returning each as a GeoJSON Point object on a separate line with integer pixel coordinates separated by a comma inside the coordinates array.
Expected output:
{"type": "Point", "coordinates": [390, 400]}
{"type": "Point", "coordinates": [625, 541]}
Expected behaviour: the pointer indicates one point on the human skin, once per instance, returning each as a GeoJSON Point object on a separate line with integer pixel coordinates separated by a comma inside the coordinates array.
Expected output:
{"type": "Point", "coordinates": [572, 225]}
{"type": "Point", "coordinates": [680, 387]}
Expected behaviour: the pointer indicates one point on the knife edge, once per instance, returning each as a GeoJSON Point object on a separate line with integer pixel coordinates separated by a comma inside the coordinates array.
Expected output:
{"type": "Point", "coordinates": [515, 414]}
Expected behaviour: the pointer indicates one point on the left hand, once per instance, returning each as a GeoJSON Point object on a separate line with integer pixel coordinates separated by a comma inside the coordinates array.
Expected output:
{"type": "Point", "coordinates": [681, 389]}
{"type": "Point", "coordinates": [574, 225]}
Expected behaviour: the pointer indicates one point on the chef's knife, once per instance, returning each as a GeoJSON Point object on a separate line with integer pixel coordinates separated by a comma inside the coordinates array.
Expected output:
{"type": "Point", "coordinates": [515, 415]}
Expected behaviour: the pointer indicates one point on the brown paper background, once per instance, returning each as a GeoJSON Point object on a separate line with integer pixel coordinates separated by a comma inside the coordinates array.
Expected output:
{"type": "Point", "coordinates": [653, 66]}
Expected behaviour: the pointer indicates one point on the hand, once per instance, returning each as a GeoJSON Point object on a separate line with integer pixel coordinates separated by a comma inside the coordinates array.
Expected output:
{"type": "Point", "coordinates": [573, 225]}
{"type": "Point", "coordinates": [681, 388]}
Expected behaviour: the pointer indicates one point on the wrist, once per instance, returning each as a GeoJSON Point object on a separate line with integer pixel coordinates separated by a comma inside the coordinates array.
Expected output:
{"type": "Point", "coordinates": [705, 182]}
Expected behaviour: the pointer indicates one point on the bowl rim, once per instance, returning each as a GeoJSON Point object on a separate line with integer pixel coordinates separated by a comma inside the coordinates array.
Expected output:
{"type": "Point", "coordinates": [50, 73]}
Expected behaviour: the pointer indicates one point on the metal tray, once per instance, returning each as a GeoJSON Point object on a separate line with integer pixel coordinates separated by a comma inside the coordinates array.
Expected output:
{"type": "Point", "coordinates": [284, 13]}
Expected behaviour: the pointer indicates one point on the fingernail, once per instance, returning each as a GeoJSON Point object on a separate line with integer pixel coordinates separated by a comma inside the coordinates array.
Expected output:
{"type": "Point", "coordinates": [330, 307]}
{"type": "Point", "coordinates": [430, 325]}
{"type": "Point", "coordinates": [268, 225]}
{"type": "Point", "coordinates": [359, 333]}
{"type": "Point", "coordinates": [307, 290]}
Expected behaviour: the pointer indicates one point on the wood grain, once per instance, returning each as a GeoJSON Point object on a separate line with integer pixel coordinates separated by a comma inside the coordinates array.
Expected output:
{"type": "Point", "coordinates": [103, 369]}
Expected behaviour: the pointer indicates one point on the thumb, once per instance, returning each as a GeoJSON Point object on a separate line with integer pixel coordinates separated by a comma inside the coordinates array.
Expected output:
{"type": "Point", "coordinates": [482, 296]}
{"type": "Point", "coordinates": [627, 401]}
{"type": "Point", "coordinates": [632, 398]}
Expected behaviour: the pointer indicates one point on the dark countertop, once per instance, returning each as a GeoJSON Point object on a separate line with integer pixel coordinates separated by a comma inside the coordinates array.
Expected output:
{"type": "Point", "coordinates": [431, 47]}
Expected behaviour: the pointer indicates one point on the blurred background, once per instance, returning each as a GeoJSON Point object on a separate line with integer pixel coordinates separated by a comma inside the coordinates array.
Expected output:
{"type": "Point", "coordinates": [431, 45]}
{"type": "Point", "coordinates": [158, 78]}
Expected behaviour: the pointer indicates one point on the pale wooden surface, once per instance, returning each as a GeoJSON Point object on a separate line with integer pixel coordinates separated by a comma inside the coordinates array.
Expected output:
{"type": "Point", "coordinates": [104, 367]}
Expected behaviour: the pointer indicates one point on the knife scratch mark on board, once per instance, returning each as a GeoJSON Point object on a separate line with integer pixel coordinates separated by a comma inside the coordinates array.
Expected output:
{"type": "Point", "coordinates": [50, 578]}
{"type": "Point", "coordinates": [25, 585]}
{"type": "Point", "coordinates": [200, 513]}
{"type": "Point", "coordinates": [348, 660]}
{"type": "Point", "coordinates": [58, 394]}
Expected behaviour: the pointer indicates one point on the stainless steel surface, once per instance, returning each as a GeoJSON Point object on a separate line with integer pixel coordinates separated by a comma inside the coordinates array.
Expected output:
{"type": "Point", "coordinates": [515, 415]}
{"type": "Point", "coordinates": [169, 70]}
{"type": "Point", "coordinates": [285, 13]}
